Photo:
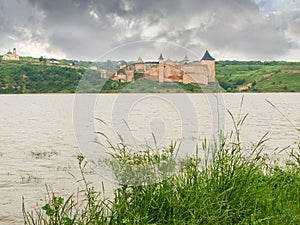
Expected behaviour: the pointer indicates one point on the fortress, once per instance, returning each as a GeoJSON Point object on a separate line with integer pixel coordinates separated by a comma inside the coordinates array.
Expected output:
{"type": "Point", "coordinates": [200, 72]}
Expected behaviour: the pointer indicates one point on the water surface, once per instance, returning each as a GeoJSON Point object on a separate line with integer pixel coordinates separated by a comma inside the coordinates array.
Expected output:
{"type": "Point", "coordinates": [38, 144]}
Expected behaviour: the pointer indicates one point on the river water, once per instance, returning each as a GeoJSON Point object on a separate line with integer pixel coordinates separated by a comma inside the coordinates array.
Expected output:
{"type": "Point", "coordinates": [41, 135]}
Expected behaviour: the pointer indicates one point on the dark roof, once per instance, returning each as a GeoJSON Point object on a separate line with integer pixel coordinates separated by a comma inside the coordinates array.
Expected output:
{"type": "Point", "coordinates": [139, 60]}
{"type": "Point", "coordinates": [161, 57]}
{"type": "Point", "coordinates": [207, 56]}
{"type": "Point", "coordinates": [122, 62]}
{"type": "Point", "coordinates": [151, 63]}
{"type": "Point", "coordinates": [121, 71]}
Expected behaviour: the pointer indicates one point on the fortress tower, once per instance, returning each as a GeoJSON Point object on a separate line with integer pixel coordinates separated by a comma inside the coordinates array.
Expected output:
{"type": "Point", "coordinates": [140, 66]}
{"type": "Point", "coordinates": [185, 60]}
{"type": "Point", "coordinates": [210, 62]}
{"type": "Point", "coordinates": [161, 68]}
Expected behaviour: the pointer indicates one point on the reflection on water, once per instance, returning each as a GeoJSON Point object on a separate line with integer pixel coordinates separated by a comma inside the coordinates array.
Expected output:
{"type": "Point", "coordinates": [38, 145]}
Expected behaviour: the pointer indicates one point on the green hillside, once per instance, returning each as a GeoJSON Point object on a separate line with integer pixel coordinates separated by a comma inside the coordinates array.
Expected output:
{"type": "Point", "coordinates": [26, 77]}
{"type": "Point", "coordinates": [272, 76]}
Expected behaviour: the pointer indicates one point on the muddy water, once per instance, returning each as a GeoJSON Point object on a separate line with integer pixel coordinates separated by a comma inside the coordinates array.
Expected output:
{"type": "Point", "coordinates": [38, 143]}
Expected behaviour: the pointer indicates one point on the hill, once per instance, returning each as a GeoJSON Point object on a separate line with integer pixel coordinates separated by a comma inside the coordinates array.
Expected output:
{"type": "Point", "coordinates": [256, 76]}
{"type": "Point", "coordinates": [29, 77]}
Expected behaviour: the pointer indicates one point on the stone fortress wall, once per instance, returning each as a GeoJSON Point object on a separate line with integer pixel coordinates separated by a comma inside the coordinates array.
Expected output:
{"type": "Point", "coordinates": [199, 72]}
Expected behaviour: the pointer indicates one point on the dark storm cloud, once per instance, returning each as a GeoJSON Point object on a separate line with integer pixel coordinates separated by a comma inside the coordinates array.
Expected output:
{"type": "Point", "coordinates": [89, 28]}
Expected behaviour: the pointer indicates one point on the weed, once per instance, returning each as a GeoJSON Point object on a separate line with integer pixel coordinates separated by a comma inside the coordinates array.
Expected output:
{"type": "Point", "coordinates": [30, 178]}
{"type": "Point", "coordinates": [228, 186]}
{"type": "Point", "coordinates": [91, 209]}
{"type": "Point", "coordinates": [44, 154]}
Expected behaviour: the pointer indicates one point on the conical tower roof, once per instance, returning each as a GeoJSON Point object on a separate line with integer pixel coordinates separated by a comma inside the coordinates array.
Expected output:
{"type": "Point", "coordinates": [185, 60]}
{"type": "Point", "coordinates": [161, 57]}
{"type": "Point", "coordinates": [207, 56]}
{"type": "Point", "coordinates": [140, 60]}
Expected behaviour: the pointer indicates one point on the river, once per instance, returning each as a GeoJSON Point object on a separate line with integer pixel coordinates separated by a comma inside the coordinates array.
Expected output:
{"type": "Point", "coordinates": [42, 134]}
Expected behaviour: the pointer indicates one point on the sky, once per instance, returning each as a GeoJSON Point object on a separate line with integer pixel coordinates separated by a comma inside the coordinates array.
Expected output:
{"type": "Point", "coordinates": [126, 29]}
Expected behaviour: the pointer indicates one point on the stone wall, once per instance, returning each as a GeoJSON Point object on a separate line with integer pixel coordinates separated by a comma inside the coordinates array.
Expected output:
{"type": "Point", "coordinates": [140, 67]}
{"type": "Point", "coordinates": [212, 72]}
{"type": "Point", "coordinates": [173, 73]}
{"type": "Point", "coordinates": [130, 75]}
{"type": "Point", "coordinates": [195, 72]}
{"type": "Point", "coordinates": [152, 73]}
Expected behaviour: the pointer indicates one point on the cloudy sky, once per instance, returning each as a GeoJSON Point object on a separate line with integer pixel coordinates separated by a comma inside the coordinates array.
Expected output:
{"type": "Point", "coordinates": [126, 29]}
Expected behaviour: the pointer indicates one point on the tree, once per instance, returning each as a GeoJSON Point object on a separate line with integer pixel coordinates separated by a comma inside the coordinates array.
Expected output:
{"type": "Point", "coordinates": [114, 85]}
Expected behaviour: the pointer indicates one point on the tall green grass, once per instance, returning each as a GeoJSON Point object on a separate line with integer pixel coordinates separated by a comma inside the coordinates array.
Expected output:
{"type": "Point", "coordinates": [231, 185]}
{"type": "Point", "coordinates": [233, 189]}
{"type": "Point", "coordinates": [85, 207]}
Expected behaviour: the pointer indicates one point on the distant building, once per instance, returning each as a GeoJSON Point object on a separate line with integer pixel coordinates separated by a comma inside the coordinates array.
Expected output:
{"type": "Point", "coordinates": [11, 56]}
{"type": "Point", "coordinates": [124, 74]}
{"type": "Point", "coordinates": [93, 67]}
{"type": "Point", "coordinates": [54, 61]}
{"type": "Point", "coordinates": [107, 74]}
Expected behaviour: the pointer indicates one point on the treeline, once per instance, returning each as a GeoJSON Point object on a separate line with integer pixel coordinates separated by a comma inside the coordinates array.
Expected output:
{"type": "Point", "coordinates": [16, 77]}
{"type": "Point", "coordinates": [20, 77]}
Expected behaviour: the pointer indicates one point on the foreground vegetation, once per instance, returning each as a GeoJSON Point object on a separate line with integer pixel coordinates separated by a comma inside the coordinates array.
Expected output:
{"type": "Point", "coordinates": [235, 186]}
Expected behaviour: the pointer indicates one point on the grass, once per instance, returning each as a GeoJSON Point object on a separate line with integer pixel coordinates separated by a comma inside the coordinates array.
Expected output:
{"type": "Point", "coordinates": [142, 85]}
{"type": "Point", "coordinates": [231, 74]}
{"type": "Point", "coordinates": [232, 189]}
{"type": "Point", "coordinates": [235, 186]}
{"type": "Point", "coordinates": [280, 82]}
